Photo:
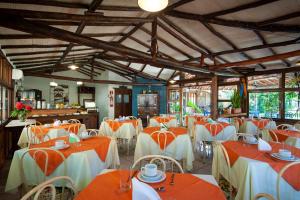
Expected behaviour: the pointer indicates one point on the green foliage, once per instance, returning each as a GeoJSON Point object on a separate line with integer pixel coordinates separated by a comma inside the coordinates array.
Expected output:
{"type": "Point", "coordinates": [236, 99]}
{"type": "Point", "coordinates": [195, 107]}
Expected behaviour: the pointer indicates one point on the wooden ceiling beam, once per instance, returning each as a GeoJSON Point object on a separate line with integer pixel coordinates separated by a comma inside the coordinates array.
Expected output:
{"type": "Point", "coordinates": [236, 23]}
{"type": "Point", "coordinates": [239, 8]}
{"type": "Point", "coordinates": [88, 80]}
{"type": "Point", "coordinates": [154, 45]}
{"type": "Point", "coordinates": [30, 36]}
{"type": "Point", "coordinates": [18, 23]}
{"type": "Point", "coordinates": [72, 17]}
{"type": "Point", "coordinates": [88, 23]}
{"type": "Point", "coordinates": [24, 46]}
{"type": "Point", "coordinates": [49, 3]}
{"type": "Point", "coordinates": [49, 57]}
{"type": "Point", "coordinates": [45, 52]}
{"type": "Point", "coordinates": [280, 18]}
{"type": "Point", "coordinates": [246, 63]}
{"type": "Point", "coordinates": [229, 42]}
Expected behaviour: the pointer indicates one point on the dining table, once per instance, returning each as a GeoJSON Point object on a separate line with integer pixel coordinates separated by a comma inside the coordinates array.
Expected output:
{"type": "Point", "coordinates": [83, 161]}
{"type": "Point", "coordinates": [179, 148]}
{"type": "Point", "coordinates": [51, 131]}
{"type": "Point", "coordinates": [169, 121]}
{"type": "Point", "coordinates": [255, 126]}
{"type": "Point", "coordinates": [290, 137]}
{"type": "Point", "coordinates": [215, 131]}
{"type": "Point", "coordinates": [186, 186]}
{"type": "Point", "coordinates": [124, 129]}
{"type": "Point", "coordinates": [190, 121]}
{"type": "Point", "coordinates": [252, 171]}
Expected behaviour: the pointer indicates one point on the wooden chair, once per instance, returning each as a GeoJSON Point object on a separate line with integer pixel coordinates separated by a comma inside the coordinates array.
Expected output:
{"type": "Point", "coordinates": [161, 161]}
{"type": "Point", "coordinates": [279, 177]}
{"type": "Point", "coordinates": [33, 136]}
{"type": "Point", "coordinates": [132, 117]}
{"type": "Point", "coordinates": [284, 126]}
{"type": "Point", "coordinates": [263, 195]}
{"type": "Point", "coordinates": [74, 121]}
{"type": "Point", "coordinates": [165, 134]}
{"type": "Point", "coordinates": [38, 153]}
{"type": "Point", "coordinates": [220, 145]}
{"type": "Point", "coordinates": [95, 132]}
{"type": "Point", "coordinates": [47, 190]}
{"type": "Point", "coordinates": [74, 128]}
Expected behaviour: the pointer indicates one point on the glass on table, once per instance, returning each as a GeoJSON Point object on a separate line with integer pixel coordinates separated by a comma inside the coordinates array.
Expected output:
{"type": "Point", "coordinates": [125, 180]}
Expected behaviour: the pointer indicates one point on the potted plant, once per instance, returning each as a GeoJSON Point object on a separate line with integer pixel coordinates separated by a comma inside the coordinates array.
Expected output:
{"type": "Point", "coordinates": [236, 102]}
{"type": "Point", "coordinates": [21, 111]}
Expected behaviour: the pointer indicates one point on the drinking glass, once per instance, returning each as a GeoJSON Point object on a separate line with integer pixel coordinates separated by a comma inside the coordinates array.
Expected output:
{"type": "Point", "coordinates": [125, 180]}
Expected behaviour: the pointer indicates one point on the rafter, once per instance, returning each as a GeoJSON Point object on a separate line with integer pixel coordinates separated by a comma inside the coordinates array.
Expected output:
{"type": "Point", "coordinates": [236, 23]}
{"type": "Point", "coordinates": [51, 57]}
{"type": "Point", "coordinates": [45, 52]}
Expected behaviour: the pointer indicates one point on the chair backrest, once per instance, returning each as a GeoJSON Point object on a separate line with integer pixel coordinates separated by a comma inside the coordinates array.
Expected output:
{"type": "Point", "coordinates": [279, 177]}
{"type": "Point", "coordinates": [236, 123]}
{"type": "Point", "coordinates": [48, 188]}
{"type": "Point", "coordinates": [74, 121]}
{"type": "Point", "coordinates": [263, 195]}
{"type": "Point", "coordinates": [106, 118]}
{"type": "Point", "coordinates": [160, 160]}
{"type": "Point", "coordinates": [95, 132]}
{"type": "Point", "coordinates": [74, 128]}
{"type": "Point", "coordinates": [165, 135]}
{"type": "Point", "coordinates": [214, 128]}
{"type": "Point", "coordinates": [274, 138]}
{"type": "Point", "coordinates": [35, 135]}
{"type": "Point", "coordinates": [40, 154]}
{"type": "Point", "coordinates": [284, 126]}
{"type": "Point", "coordinates": [131, 117]}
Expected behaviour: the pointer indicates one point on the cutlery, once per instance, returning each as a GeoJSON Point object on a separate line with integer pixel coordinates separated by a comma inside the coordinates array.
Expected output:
{"type": "Point", "coordinates": [172, 179]}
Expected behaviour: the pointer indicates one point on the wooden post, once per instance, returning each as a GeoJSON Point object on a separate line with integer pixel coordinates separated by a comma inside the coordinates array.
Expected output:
{"type": "Point", "coordinates": [214, 97]}
{"type": "Point", "coordinates": [281, 96]}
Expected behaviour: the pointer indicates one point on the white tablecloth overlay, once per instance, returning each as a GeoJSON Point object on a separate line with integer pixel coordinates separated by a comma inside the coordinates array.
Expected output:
{"type": "Point", "coordinates": [251, 177]}
{"type": "Point", "coordinates": [171, 123]}
{"type": "Point", "coordinates": [202, 134]}
{"type": "Point", "coordinates": [125, 131]}
{"type": "Point", "coordinates": [82, 167]}
{"type": "Point", "coordinates": [292, 141]}
{"type": "Point", "coordinates": [180, 148]}
{"type": "Point", "coordinates": [249, 127]}
{"type": "Point", "coordinates": [190, 124]}
{"type": "Point", "coordinates": [52, 134]}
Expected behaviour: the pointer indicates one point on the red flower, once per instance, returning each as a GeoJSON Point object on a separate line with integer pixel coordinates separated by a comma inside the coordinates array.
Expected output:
{"type": "Point", "coordinates": [28, 108]}
{"type": "Point", "coordinates": [19, 106]}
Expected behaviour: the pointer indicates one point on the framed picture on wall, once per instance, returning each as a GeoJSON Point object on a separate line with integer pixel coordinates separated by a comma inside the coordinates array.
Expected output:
{"type": "Point", "coordinates": [59, 94]}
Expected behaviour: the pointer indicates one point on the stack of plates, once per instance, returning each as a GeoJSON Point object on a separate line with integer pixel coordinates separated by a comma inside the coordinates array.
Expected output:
{"type": "Point", "coordinates": [292, 158]}
{"type": "Point", "coordinates": [160, 176]}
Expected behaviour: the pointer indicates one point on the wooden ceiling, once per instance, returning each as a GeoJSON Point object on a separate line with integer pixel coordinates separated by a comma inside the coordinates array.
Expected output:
{"type": "Point", "coordinates": [198, 37]}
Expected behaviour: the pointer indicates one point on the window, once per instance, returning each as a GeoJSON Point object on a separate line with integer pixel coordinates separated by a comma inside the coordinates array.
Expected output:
{"type": "Point", "coordinates": [292, 80]}
{"type": "Point", "coordinates": [264, 104]}
{"type": "Point", "coordinates": [264, 81]}
{"type": "Point", "coordinates": [292, 105]}
{"type": "Point", "coordinates": [225, 92]}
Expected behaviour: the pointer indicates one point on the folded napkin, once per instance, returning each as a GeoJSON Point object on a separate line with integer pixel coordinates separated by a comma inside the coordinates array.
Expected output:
{"type": "Point", "coordinates": [263, 145]}
{"type": "Point", "coordinates": [73, 138]}
{"type": "Point", "coordinates": [143, 191]}
{"type": "Point", "coordinates": [57, 123]}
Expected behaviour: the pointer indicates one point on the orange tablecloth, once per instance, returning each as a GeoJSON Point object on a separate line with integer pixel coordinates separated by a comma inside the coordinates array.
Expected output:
{"type": "Point", "coordinates": [115, 125]}
{"type": "Point", "coordinates": [197, 119]}
{"type": "Point", "coordinates": [282, 135]}
{"type": "Point", "coordinates": [260, 123]}
{"type": "Point", "coordinates": [176, 130]}
{"type": "Point", "coordinates": [99, 144]}
{"type": "Point", "coordinates": [211, 127]}
{"type": "Point", "coordinates": [163, 119]}
{"type": "Point", "coordinates": [187, 187]}
{"type": "Point", "coordinates": [41, 131]}
{"type": "Point", "coordinates": [236, 149]}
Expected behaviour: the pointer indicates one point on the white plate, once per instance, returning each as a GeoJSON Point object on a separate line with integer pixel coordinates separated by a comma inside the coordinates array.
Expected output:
{"type": "Point", "coordinates": [144, 179]}
{"type": "Point", "coordinates": [291, 159]}
{"type": "Point", "coordinates": [60, 148]}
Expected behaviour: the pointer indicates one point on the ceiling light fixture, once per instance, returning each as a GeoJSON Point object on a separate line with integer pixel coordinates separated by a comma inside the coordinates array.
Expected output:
{"type": "Point", "coordinates": [172, 81]}
{"type": "Point", "coordinates": [297, 63]}
{"type": "Point", "coordinates": [153, 5]}
{"type": "Point", "coordinates": [53, 84]}
{"type": "Point", "coordinates": [73, 67]}
{"type": "Point", "coordinates": [79, 83]}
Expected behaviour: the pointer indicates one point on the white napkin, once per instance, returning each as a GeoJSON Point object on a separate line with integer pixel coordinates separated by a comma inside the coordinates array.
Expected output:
{"type": "Point", "coordinates": [57, 123]}
{"type": "Point", "coordinates": [142, 191]}
{"type": "Point", "coordinates": [263, 145]}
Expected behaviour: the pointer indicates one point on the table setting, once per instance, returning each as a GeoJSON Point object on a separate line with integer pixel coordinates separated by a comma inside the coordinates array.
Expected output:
{"type": "Point", "coordinates": [255, 126]}
{"type": "Point", "coordinates": [178, 144]}
{"type": "Point", "coordinates": [84, 159]}
{"type": "Point", "coordinates": [150, 183]}
{"type": "Point", "coordinates": [169, 121]}
{"type": "Point", "coordinates": [190, 121]}
{"type": "Point", "coordinates": [213, 131]}
{"type": "Point", "coordinates": [254, 166]}
{"type": "Point", "coordinates": [57, 129]}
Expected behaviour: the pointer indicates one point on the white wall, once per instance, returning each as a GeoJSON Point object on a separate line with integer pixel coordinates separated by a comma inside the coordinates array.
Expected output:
{"type": "Point", "coordinates": [102, 90]}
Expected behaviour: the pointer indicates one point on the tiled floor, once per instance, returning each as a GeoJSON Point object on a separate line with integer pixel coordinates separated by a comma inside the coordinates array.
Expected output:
{"type": "Point", "coordinates": [126, 162]}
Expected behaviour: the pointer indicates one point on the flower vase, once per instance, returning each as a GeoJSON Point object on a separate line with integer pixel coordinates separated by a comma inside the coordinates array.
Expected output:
{"type": "Point", "coordinates": [22, 117]}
